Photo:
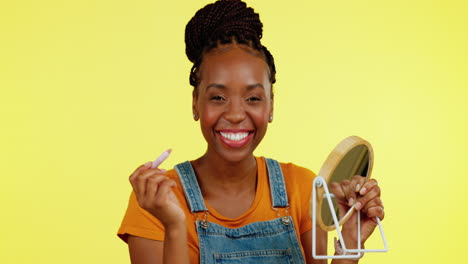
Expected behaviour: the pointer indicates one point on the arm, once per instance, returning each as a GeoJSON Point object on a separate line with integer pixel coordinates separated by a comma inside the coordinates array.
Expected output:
{"type": "Point", "coordinates": [154, 194]}
{"type": "Point", "coordinates": [147, 251]}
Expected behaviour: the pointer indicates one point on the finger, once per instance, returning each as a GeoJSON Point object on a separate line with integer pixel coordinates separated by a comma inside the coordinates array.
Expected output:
{"type": "Point", "coordinates": [355, 185]}
{"type": "Point", "coordinates": [139, 182]}
{"type": "Point", "coordinates": [134, 180]}
{"type": "Point", "coordinates": [345, 186]}
{"type": "Point", "coordinates": [336, 189]}
{"type": "Point", "coordinates": [139, 169]}
{"type": "Point", "coordinates": [153, 171]}
{"type": "Point", "coordinates": [163, 192]}
{"type": "Point", "coordinates": [340, 198]}
{"type": "Point", "coordinates": [372, 203]}
{"type": "Point", "coordinates": [152, 185]}
{"type": "Point", "coordinates": [135, 174]}
{"type": "Point", "coordinates": [172, 196]}
{"type": "Point", "coordinates": [376, 211]}
{"type": "Point", "coordinates": [368, 186]}
{"type": "Point", "coordinates": [370, 194]}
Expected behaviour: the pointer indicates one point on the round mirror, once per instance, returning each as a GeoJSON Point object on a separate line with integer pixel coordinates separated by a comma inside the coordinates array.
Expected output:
{"type": "Point", "coordinates": [351, 157]}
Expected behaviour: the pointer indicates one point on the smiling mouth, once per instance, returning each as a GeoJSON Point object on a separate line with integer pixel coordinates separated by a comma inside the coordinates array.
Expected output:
{"type": "Point", "coordinates": [236, 138]}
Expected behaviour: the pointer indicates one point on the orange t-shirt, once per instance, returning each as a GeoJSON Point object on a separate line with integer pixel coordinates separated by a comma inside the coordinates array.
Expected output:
{"type": "Point", "coordinates": [298, 180]}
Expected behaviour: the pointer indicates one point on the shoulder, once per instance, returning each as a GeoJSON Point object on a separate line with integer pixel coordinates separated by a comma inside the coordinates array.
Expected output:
{"type": "Point", "coordinates": [298, 179]}
{"type": "Point", "coordinates": [291, 170]}
{"type": "Point", "coordinates": [296, 176]}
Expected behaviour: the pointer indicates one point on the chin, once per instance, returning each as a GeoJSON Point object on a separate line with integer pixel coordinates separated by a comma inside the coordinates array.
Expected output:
{"type": "Point", "coordinates": [234, 156]}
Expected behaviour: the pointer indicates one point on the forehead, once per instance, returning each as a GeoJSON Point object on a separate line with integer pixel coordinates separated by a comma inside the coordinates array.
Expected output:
{"type": "Point", "coordinates": [233, 64]}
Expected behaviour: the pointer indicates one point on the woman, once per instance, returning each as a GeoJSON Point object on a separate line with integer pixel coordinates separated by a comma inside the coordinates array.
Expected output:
{"type": "Point", "coordinates": [229, 205]}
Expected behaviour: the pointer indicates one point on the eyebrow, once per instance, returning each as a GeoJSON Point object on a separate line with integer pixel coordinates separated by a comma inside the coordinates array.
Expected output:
{"type": "Point", "coordinates": [215, 85]}
{"type": "Point", "coordinates": [220, 86]}
{"type": "Point", "coordinates": [253, 86]}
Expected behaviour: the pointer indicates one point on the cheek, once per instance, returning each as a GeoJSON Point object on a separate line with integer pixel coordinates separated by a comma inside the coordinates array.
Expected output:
{"type": "Point", "coordinates": [208, 115]}
{"type": "Point", "coordinates": [261, 116]}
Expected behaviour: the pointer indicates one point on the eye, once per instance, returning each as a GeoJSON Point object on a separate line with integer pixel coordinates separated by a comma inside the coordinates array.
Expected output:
{"type": "Point", "coordinates": [253, 99]}
{"type": "Point", "coordinates": [216, 98]}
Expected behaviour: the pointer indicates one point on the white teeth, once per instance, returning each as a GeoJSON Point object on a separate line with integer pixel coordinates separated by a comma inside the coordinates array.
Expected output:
{"type": "Point", "coordinates": [235, 136]}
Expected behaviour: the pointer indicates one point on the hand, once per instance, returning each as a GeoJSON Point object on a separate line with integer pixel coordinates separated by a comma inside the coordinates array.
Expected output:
{"type": "Point", "coordinates": [346, 192]}
{"type": "Point", "coordinates": [153, 192]}
{"type": "Point", "coordinates": [365, 196]}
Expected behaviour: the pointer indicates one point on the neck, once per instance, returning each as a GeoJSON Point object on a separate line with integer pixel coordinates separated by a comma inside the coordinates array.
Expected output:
{"type": "Point", "coordinates": [216, 175]}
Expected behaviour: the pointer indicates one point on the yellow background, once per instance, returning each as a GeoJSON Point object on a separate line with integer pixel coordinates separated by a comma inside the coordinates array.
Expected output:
{"type": "Point", "coordinates": [92, 89]}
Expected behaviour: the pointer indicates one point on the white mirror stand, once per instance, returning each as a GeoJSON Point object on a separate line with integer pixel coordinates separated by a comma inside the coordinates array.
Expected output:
{"type": "Point", "coordinates": [320, 182]}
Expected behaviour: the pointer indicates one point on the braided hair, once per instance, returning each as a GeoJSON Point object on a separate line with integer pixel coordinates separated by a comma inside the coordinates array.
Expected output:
{"type": "Point", "coordinates": [224, 22]}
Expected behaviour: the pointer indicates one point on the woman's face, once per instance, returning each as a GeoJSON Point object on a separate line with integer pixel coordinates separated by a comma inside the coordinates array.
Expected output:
{"type": "Point", "coordinates": [233, 101]}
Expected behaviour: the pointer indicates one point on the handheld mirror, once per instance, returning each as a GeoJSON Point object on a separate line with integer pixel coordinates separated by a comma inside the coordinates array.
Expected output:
{"type": "Point", "coordinates": [351, 161]}
{"type": "Point", "coordinates": [351, 157]}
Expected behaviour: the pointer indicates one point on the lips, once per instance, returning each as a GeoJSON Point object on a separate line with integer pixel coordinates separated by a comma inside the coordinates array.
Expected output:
{"type": "Point", "coordinates": [235, 138]}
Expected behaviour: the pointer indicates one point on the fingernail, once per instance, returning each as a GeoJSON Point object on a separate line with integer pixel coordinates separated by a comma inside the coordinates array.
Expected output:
{"type": "Point", "coordinates": [358, 206]}
{"type": "Point", "coordinates": [351, 201]}
{"type": "Point", "coordinates": [358, 187]}
{"type": "Point", "coordinates": [163, 170]}
{"type": "Point", "coordinates": [148, 164]}
{"type": "Point", "coordinates": [363, 190]}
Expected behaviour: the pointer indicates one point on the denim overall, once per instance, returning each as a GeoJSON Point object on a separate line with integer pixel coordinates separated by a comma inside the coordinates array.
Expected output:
{"type": "Point", "coordinates": [268, 242]}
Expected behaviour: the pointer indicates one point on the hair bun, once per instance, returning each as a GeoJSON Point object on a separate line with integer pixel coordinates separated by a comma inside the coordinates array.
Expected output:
{"type": "Point", "coordinates": [220, 21]}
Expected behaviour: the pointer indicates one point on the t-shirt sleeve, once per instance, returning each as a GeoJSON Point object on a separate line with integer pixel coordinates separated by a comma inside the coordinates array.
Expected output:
{"type": "Point", "coordinates": [306, 221]}
{"type": "Point", "coordinates": [303, 181]}
{"type": "Point", "coordinates": [138, 222]}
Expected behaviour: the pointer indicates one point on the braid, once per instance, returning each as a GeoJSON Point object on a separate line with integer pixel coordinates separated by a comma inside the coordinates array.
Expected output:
{"type": "Point", "coordinates": [223, 22]}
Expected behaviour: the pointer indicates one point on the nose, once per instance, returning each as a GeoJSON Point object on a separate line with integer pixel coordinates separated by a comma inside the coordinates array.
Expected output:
{"type": "Point", "coordinates": [235, 111]}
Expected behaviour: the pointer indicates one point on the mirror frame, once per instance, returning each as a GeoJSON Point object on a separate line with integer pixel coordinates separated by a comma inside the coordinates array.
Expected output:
{"type": "Point", "coordinates": [329, 166]}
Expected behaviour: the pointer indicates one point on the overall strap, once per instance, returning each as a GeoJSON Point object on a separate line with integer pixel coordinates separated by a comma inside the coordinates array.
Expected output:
{"type": "Point", "coordinates": [279, 197]}
{"type": "Point", "coordinates": [191, 189]}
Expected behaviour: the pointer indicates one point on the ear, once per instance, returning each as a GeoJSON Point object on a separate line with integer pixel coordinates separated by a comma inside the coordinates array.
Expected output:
{"type": "Point", "coordinates": [270, 116]}
{"type": "Point", "coordinates": [195, 105]}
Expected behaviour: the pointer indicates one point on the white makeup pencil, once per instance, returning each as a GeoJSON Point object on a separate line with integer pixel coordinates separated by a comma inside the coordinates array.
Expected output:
{"type": "Point", "coordinates": [161, 158]}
